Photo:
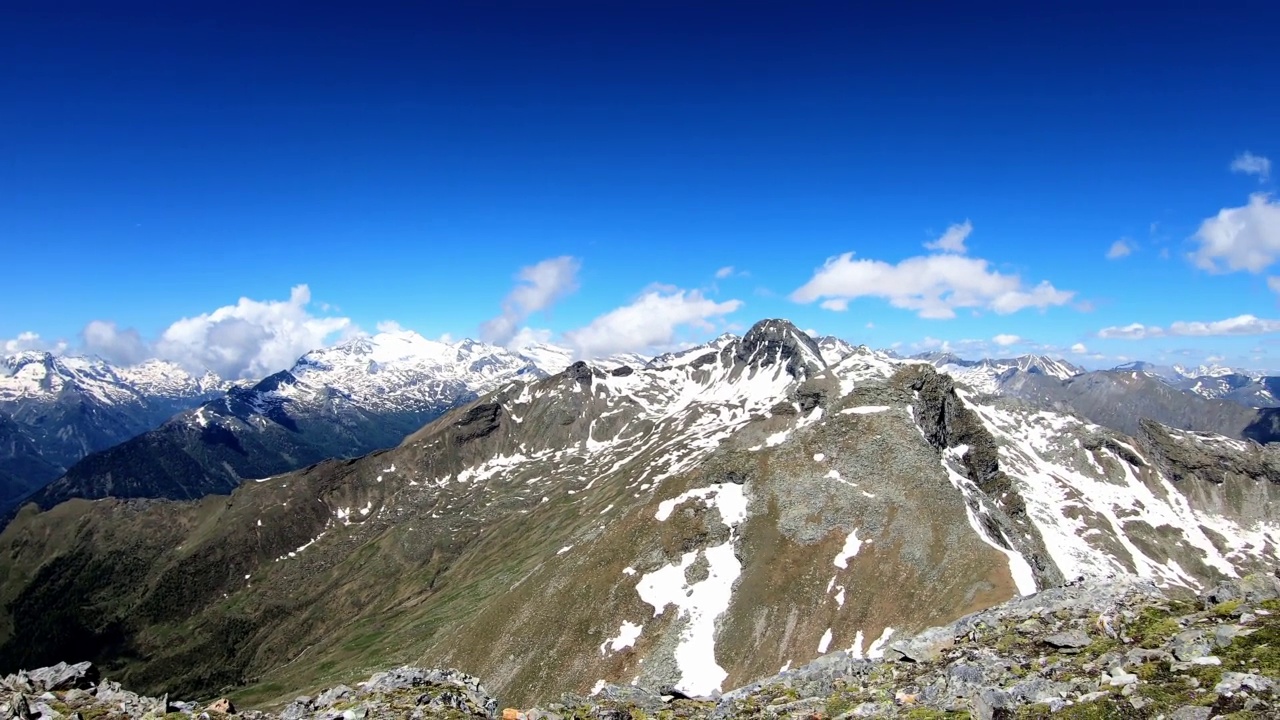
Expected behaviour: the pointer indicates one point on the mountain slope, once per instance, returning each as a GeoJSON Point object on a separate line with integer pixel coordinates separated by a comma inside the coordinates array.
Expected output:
{"type": "Point", "coordinates": [22, 467]}
{"type": "Point", "coordinates": [1121, 400]}
{"type": "Point", "coordinates": [344, 401]}
{"type": "Point", "coordinates": [691, 527]}
{"type": "Point", "coordinates": [67, 407]}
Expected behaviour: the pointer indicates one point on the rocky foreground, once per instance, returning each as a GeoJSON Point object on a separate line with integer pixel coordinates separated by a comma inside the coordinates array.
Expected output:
{"type": "Point", "coordinates": [1117, 650]}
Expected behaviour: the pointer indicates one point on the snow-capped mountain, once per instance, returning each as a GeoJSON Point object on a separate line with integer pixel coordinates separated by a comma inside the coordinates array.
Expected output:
{"type": "Point", "coordinates": [683, 357]}
{"type": "Point", "coordinates": [1164, 372]}
{"type": "Point", "coordinates": [343, 401]}
{"type": "Point", "coordinates": [984, 375]}
{"type": "Point", "coordinates": [688, 527]}
{"type": "Point", "coordinates": [1212, 370]}
{"type": "Point", "coordinates": [63, 408]}
{"type": "Point", "coordinates": [1216, 382]}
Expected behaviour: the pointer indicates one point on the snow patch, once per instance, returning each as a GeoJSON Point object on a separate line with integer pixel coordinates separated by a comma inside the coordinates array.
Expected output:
{"type": "Point", "coordinates": [851, 547]}
{"type": "Point", "coordinates": [824, 642]}
{"type": "Point", "coordinates": [864, 410]}
{"type": "Point", "coordinates": [626, 637]}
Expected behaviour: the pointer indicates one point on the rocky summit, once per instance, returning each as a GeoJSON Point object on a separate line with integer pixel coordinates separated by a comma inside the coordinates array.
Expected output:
{"type": "Point", "coordinates": [685, 526]}
{"type": "Point", "coordinates": [1120, 649]}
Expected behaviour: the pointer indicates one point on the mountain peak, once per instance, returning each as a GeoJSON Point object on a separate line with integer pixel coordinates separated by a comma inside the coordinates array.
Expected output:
{"type": "Point", "coordinates": [779, 341]}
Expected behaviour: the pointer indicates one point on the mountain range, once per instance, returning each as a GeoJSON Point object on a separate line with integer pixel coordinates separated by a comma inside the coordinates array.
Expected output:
{"type": "Point", "coordinates": [348, 400]}
{"type": "Point", "coordinates": [688, 526]}
{"type": "Point", "coordinates": [56, 410]}
{"type": "Point", "coordinates": [80, 427]}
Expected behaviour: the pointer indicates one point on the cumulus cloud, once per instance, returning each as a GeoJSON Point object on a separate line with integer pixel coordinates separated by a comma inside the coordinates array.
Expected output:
{"type": "Point", "coordinates": [724, 272]}
{"type": "Point", "coordinates": [952, 240]}
{"type": "Point", "coordinates": [527, 336]}
{"type": "Point", "coordinates": [252, 338]}
{"type": "Point", "coordinates": [933, 286]}
{"type": "Point", "coordinates": [1079, 349]}
{"type": "Point", "coordinates": [122, 347]}
{"type": "Point", "coordinates": [1240, 238]}
{"type": "Point", "coordinates": [1238, 325]}
{"type": "Point", "coordinates": [31, 341]}
{"type": "Point", "coordinates": [537, 288]}
{"type": "Point", "coordinates": [1120, 248]}
{"type": "Point", "coordinates": [1132, 331]}
{"type": "Point", "coordinates": [651, 321]}
{"type": "Point", "coordinates": [1006, 340]}
{"type": "Point", "coordinates": [389, 326]}
{"type": "Point", "coordinates": [1246, 163]}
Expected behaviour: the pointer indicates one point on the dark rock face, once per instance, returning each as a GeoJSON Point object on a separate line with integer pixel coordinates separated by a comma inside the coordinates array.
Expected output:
{"type": "Point", "coordinates": [1203, 461]}
{"type": "Point", "coordinates": [579, 372]}
{"type": "Point", "coordinates": [479, 421]}
{"type": "Point", "coordinates": [947, 423]}
{"type": "Point", "coordinates": [770, 342]}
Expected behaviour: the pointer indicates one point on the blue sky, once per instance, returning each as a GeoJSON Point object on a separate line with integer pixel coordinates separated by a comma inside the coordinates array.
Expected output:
{"type": "Point", "coordinates": [162, 162]}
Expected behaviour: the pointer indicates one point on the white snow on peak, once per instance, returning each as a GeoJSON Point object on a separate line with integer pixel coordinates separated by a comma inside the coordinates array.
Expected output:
{"type": "Point", "coordinates": [44, 376]}
{"type": "Point", "coordinates": [548, 358]}
{"type": "Point", "coordinates": [983, 375]}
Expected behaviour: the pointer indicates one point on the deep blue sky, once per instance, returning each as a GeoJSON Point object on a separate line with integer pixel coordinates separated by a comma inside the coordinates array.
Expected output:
{"type": "Point", "coordinates": [162, 160]}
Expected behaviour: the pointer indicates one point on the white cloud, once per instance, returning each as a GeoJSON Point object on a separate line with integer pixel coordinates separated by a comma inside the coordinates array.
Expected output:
{"type": "Point", "coordinates": [1133, 331]}
{"type": "Point", "coordinates": [724, 272]}
{"type": "Point", "coordinates": [1004, 340]}
{"type": "Point", "coordinates": [1120, 248]}
{"type": "Point", "coordinates": [1238, 325]}
{"type": "Point", "coordinates": [122, 347]}
{"type": "Point", "coordinates": [527, 336]}
{"type": "Point", "coordinates": [650, 321]}
{"type": "Point", "coordinates": [952, 240]}
{"type": "Point", "coordinates": [31, 341]}
{"type": "Point", "coordinates": [1246, 163]}
{"type": "Point", "coordinates": [252, 338]}
{"type": "Point", "coordinates": [933, 286]}
{"type": "Point", "coordinates": [390, 326]}
{"type": "Point", "coordinates": [1079, 349]}
{"type": "Point", "coordinates": [1241, 238]}
{"type": "Point", "coordinates": [538, 287]}
{"type": "Point", "coordinates": [1273, 283]}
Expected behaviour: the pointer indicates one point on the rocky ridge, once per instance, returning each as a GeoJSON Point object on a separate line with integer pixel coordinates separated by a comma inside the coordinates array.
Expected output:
{"type": "Point", "coordinates": [1120, 649]}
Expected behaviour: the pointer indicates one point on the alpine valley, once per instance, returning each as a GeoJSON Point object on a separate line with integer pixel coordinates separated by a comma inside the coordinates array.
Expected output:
{"type": "Point", "coordinates": [690, 524]}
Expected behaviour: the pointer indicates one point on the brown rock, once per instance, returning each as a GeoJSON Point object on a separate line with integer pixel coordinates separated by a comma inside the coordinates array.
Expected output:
{"type": "Point", "coordinates": [222, 705]}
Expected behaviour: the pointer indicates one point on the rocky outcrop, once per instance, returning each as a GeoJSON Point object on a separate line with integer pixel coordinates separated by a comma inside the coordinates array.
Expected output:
{"type": "Point", "coordinates": [947, 423]}
{"type": "Point", "coordinates": [1206, 460]}
{"type": "Point", "coordinates": [1114, 649]}
{"type": "Point", "coordinates": [770, 342]}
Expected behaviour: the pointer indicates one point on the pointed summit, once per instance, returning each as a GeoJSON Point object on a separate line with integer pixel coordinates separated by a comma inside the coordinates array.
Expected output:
{"type": "Point", "coordinates": [778, 341]}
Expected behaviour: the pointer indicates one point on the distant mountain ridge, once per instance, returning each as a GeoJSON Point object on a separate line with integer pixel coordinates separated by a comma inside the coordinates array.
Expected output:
{"type": "Point", "coordinates": [344, 401]}
{"type": "Point", "coordinates": [1250, 388]}
{"type": "Point", "coordinates": [984, 375]}
{"type": "Point", "coordinates": [54, 410]}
